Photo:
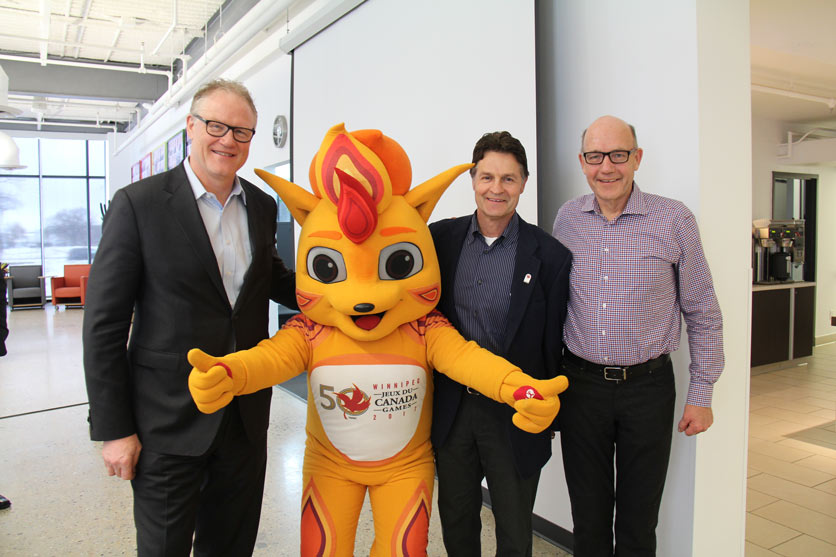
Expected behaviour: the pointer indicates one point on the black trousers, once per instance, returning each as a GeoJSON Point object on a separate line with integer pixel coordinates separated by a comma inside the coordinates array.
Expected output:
{"type": "Point", "coordinates": [478, 447]}
{"type": "Point", "coordinates": [215, 497]}
{"type": "Point", "coordinates": [628, 424]}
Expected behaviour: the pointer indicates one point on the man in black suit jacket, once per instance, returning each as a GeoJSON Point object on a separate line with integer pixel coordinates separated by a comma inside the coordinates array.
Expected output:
{"type": "Point", "coordinates": [505, 285]}
{"type": "Point", "coordinates": [189, 256]}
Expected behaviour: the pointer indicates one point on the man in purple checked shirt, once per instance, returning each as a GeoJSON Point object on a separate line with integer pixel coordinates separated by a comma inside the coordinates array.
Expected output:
{"type": "Point", "coordinates": [637, 264]}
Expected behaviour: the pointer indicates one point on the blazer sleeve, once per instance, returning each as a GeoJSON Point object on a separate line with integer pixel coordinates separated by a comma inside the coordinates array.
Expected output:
{"type": "Point", "coordinates": [111, 293]}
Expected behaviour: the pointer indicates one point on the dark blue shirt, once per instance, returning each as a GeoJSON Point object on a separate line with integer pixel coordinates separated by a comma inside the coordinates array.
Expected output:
{"type": "Point", "coordinates": [483, 284]}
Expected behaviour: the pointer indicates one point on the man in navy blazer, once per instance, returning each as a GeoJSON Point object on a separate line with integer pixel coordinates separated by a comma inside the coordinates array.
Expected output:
{"type": "Point", "coordinates": [187, 259]}
{"type": "Point", "coordinates": [505, 284]}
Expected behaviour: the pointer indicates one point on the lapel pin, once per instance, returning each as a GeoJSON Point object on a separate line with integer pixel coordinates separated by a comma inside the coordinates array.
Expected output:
{"type": "Point", "coordinates": [527, 278]}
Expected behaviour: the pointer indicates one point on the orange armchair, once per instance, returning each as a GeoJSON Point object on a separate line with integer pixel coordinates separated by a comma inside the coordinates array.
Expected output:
{"type": "Point", "coordinates": [72, 287]}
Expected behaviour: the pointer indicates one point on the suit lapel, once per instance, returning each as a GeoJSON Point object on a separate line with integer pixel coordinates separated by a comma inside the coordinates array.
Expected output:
{"type": "Point", "coordinates": [448, 258]}
{"type": "Point", "coordinates": [526, 274]}
{"type": "Point", "coordinates": [184, 210]}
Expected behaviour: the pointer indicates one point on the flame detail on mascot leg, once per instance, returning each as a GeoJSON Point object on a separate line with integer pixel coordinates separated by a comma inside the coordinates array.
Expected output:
{"type": "Point", "coordinates": [367, 282]}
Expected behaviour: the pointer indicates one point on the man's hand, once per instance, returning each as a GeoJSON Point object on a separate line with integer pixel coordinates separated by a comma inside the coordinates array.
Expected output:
{"type": "Point", "coordinates": [695, 419]}
{"type": "Point", "coordinates": [213, 381]}
{"type": "Point", "coordinates": [120, 456]}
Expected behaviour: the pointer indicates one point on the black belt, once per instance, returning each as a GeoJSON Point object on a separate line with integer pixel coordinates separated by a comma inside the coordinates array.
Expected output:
{"type": "Point", "coordinates": [618, 373]}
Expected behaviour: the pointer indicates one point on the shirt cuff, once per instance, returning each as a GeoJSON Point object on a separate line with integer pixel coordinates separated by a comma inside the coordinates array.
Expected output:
{"type": "Point", "coordinates": [699, 394]}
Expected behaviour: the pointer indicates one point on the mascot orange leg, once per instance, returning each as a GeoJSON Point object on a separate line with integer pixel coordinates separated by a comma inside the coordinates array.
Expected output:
{"type": "Point", "coordinates": [401, 501]}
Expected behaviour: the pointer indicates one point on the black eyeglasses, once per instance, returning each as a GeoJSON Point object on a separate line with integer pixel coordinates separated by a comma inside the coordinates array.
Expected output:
{"type": "Point", "coordinates": [619, 156]}
{"type": "Point", "coordinates": [219, 129]}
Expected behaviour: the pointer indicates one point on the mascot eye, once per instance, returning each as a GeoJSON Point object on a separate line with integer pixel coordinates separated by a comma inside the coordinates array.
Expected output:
{"type": "Point", "coordinates": [326, 265]}
{"type": "Point", "coordinates": [400, 261]}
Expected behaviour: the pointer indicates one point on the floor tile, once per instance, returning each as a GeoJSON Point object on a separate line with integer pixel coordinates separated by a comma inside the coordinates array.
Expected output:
{"type": "Point", "coordinates": [787, 470]}
{"type": "Point", "coordinates": [820, 463]}
{"type": "Point", "coordinates": [800, 519]}
{"type": "Point", "coordinates": [820, 402]}
{"type": "Point", "coordinates": [816, 447]}
{"type": "Point", "coordinates": [753, 550]}
{"type": "Point", "coordinates": [756, 499]}
{"type": "Point", "coordinates": [777, 450]}
{"type": "Point", "coordinates": [805, 546]}
{"type": "Point", "coordinates": [813, 498]}
{"type": "Point", "coordinates": [794, 417]}
{"type": "Point", "coordinates": [829, 487]}
{"type": "Point", "coordinates": [766, 533]}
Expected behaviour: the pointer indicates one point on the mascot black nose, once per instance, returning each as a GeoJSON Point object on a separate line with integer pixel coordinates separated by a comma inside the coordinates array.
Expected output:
{"type": "Point", "coordinates": [364, 308]}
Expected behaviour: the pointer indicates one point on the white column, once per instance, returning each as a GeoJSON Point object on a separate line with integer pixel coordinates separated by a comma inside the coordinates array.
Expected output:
{"type": "Point", "coordinates": [679, 72]}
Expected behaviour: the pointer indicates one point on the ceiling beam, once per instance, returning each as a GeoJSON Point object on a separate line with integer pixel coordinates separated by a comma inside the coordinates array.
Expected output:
{"type": "Point", "coordinates": [63, 81]}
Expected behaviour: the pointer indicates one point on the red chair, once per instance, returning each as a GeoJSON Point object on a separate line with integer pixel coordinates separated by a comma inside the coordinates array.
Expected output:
{"type": "Point", "coordinates": [71, 288]}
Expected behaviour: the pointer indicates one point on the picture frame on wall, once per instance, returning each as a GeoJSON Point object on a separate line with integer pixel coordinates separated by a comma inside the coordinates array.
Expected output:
{"type": "Point", "coordinates": [188, 145]}
{"type": "Point", "coordinates": [145, 170]}
{"type": "Point", "coordinates": [136, 171]}
{"type": "Point", "coordinates": [176, 149]}
{"type": "Point", "coordinates": [158, 159]}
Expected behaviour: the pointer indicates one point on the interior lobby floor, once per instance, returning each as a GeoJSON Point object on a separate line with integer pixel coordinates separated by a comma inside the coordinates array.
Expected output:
{"type": "Point", "coordinates": [63, 502]}
{"type": "Point", "coordinates": [791, 495]}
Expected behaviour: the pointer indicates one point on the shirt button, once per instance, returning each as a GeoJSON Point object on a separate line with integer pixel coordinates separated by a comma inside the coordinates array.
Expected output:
{"type": "Point", "coordinates": [603, 333]}
{"type": "Point", "coordinates": [606, 359]}
{"type": "Point", "coordinates": [606, 250]}
{"type": "Point", "coordinates": [479, 282]}
{"type": "Point", "coordinates": [606, 278]}
{"type": "Point", "coordinates": [604, 305]}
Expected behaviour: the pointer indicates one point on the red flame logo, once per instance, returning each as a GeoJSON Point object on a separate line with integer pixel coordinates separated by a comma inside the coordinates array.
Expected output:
{"type": "Point", "coordinates": [356, 404]}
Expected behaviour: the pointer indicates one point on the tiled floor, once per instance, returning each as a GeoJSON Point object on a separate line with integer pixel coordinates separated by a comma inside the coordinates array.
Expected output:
{"type": "Point", "coordinates": [791, 502]}
{"type": "Point", "coordinates": [63, 503]}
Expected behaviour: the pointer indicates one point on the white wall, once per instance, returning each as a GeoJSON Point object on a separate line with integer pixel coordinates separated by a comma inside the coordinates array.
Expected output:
{"type": "Point", "coordinates": [679, 72]}
{"type": "Point", "coordinates": [766, 135]}
{"type": "Point", "coordinates": [433, 75]}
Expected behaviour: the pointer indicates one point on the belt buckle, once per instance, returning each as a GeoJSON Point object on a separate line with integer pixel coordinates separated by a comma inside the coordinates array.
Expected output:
{"type": "Point", "coordinates": [615, 373]}
{"type": "Point", "coordinates": [472, 391]}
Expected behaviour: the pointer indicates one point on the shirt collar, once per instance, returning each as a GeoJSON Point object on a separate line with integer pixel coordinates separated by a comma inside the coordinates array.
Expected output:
{"type": "Point", "coordinates": [198, 189]}
{"type": "Point", "coordinates": [510, 233]}
{"type": "Point", "coordinates": [636, 204]}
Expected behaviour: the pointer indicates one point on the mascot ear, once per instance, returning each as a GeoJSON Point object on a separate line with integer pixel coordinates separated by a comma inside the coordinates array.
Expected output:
{"type": "Point", "coordinates": [423, 198]}
{"type": "Point", "coordinates": [299, 201]}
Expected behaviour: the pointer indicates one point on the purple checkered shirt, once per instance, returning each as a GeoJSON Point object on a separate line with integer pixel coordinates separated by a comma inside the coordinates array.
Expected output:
{"type": "Point", "coordinates": [630, 280]}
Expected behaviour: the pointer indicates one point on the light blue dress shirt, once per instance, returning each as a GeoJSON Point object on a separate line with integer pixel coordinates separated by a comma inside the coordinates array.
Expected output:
{"type": "Point", "coordinates": [228, 232]}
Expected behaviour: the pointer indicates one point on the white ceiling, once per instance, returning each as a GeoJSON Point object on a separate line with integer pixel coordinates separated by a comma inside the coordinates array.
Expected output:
{"type": "Point", "coordinates": [793, 51]}
{"type": "Point", "coordinates": [153, 31]}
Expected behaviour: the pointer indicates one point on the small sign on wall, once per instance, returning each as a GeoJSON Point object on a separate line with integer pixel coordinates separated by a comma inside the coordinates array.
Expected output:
{"type": "Point", "coordinates": [176, 149]}
{"type": "Point", "coordinates": [158, 159]}
{"type": "Point", "coordinates": [145, 170]}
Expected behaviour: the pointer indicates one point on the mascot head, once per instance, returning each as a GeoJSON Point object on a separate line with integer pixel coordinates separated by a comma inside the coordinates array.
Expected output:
{"type": "Point", "coordinates": [365, 262]}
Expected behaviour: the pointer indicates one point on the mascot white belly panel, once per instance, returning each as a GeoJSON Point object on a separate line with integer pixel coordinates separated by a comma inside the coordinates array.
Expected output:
{"type": "Point", "coordinates": [369, 412]}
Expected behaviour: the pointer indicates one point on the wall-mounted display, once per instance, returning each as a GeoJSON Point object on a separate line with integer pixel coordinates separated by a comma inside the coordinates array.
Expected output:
{"type": "Point", "coordinates": [158, 159]}
{"type": "Point", "coordinates": [136, 170]}
{"type": "Point", "coordinates": [145, 170]}
{"type": "Point", "coordinates": [176, 149]}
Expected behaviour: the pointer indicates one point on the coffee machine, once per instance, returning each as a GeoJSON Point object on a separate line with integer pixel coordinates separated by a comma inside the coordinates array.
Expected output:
{"type": "Point", "coordinates": [778, 251]}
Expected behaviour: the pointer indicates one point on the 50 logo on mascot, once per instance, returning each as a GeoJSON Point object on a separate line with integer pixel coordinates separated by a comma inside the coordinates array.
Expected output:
{"type": "Point", "coordinates": [367, 282]}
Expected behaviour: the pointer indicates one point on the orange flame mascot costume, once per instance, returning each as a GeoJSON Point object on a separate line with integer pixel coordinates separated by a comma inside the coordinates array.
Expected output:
{"type": "Point", "coordinates": [367, 282]}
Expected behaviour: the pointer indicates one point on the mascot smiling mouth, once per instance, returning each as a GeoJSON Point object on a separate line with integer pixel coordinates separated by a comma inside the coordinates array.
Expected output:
{"type": "Point", "coordinates": [367, 322]}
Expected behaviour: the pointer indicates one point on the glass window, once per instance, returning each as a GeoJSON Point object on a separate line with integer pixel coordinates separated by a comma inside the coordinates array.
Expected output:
{"type": "Point", "coordinates": [63, 157]}
{"type": "Point", "coordinates": [98, 203]}
{"type": "Point", "coordinates": [97, 155]}
{"type": "Point", "coordinates": [20, 221]}
{"type": "Point", "coordinates": [51, 211]}
{"type": "Point", "coordinates": [65, 223]}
